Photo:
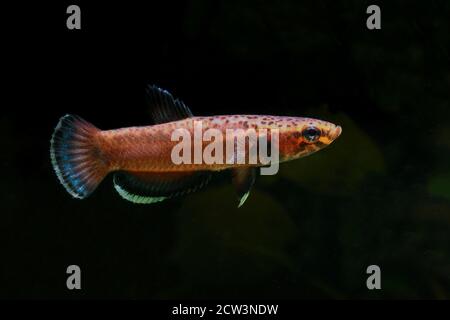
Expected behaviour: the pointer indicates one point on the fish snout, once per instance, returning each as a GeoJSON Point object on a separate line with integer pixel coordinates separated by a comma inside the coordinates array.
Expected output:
{"type": "Point", "coordinates": [335, 132]}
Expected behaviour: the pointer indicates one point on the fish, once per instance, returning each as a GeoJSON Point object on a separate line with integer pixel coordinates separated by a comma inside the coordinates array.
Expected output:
{"type": "Point", "coordinates": [141, 159]}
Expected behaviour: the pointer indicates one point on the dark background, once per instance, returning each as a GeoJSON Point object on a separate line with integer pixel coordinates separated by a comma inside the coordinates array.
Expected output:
{"type": "Point", "coordinates": [379, 195]}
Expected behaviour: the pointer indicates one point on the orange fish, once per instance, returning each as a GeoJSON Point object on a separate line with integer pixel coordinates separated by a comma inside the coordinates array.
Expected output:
{"type": "Point", "coordinates": [141, 158]}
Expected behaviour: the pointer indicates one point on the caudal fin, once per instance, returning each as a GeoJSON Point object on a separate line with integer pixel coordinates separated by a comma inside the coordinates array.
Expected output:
{"type": "Point", "coordinates": [76, 156]}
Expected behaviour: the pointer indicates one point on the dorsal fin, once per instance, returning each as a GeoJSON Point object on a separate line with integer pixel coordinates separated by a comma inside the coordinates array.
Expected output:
{"type": "Point", "coordinates": [163, 107]}
{"type": "Point", "coordinates": [141, 187]}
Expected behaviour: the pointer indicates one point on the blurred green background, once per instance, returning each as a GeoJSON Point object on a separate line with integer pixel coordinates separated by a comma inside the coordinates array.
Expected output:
{"type": "Point", "coordinates": [380, 194]}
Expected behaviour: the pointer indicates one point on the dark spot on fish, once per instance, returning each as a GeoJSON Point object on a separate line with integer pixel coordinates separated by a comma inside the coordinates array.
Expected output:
{"type": "Point", "coordinates": [297, 134]}
{"type": "Point", "coordinates": [263, 122]}
{"type": "Point", "coordinates": [302, 144]}
{"type": "Point", "coordinates": [270, 123]}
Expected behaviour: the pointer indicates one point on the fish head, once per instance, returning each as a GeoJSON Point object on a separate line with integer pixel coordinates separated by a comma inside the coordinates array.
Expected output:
{"type": "Point", "coordinates": [307, 136]}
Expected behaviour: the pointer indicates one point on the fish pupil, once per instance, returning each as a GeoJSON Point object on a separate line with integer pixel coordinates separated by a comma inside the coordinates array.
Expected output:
{"type": "Point", "coordinates": [311, 134]}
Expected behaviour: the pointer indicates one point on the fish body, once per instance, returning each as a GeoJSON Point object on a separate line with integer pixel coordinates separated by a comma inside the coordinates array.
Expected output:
{"type": "Point", "coordinates": [141, 158]}
{"type": "Point", "coordinates": [148, 148]}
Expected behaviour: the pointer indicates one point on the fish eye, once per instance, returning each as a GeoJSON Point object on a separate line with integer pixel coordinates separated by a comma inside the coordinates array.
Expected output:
{"type": "Point", "coordinates": [311, 134]}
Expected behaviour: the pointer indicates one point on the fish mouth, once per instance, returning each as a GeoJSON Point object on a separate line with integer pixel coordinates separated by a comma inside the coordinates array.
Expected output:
{"type": "Point", "coordinates": [334, 134]}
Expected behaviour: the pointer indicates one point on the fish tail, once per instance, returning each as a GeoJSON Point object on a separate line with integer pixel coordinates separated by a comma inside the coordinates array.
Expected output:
{"type": "Point", "coordinates": [76, 156]}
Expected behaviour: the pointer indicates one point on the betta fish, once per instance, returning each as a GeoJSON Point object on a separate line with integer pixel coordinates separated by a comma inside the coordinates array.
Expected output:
{"type": "Point", "coordinates": [141, 159]}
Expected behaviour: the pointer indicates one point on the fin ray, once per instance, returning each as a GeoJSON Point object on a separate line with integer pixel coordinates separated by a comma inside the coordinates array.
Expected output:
{"type": "Point", "coordinates": [164, 108]}
{"type": "Point", "coordinates": [140, 187]}
{"type": "Point", "coordinates": [75, 157]}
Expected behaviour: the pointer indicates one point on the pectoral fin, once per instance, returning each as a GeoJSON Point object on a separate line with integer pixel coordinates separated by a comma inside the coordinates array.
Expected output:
{"type": "Point", "coordinates": [243, 180]}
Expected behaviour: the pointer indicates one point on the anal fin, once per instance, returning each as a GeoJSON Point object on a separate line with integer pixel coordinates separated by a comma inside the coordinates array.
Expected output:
{"type": "Point", "coordinates": [148, 187]}
{"type": "Point", "coordinates": [243, 180]}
